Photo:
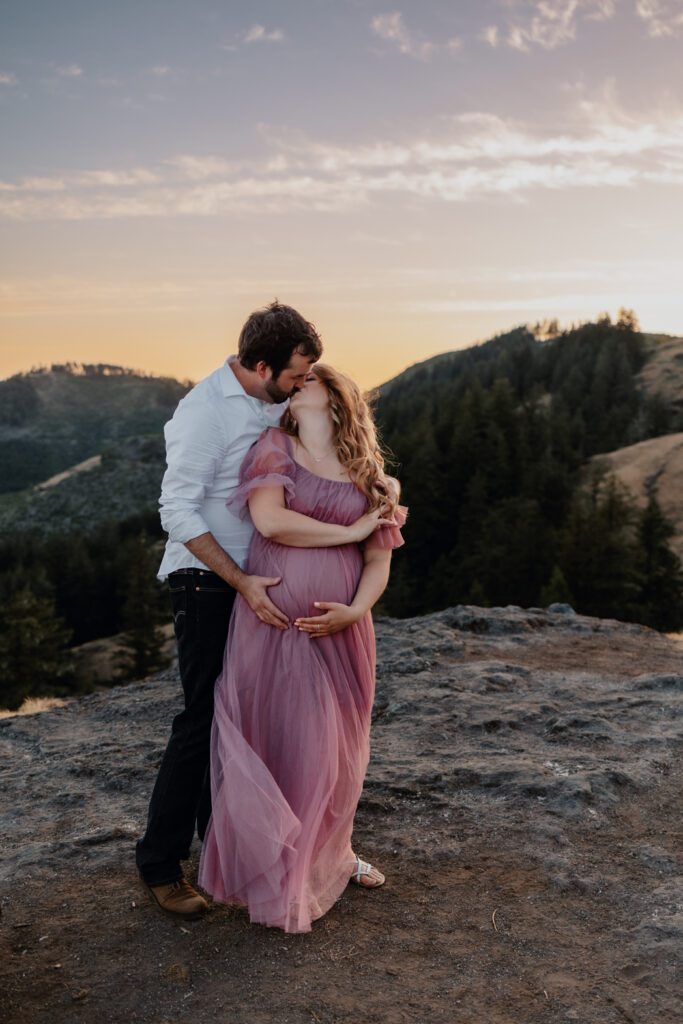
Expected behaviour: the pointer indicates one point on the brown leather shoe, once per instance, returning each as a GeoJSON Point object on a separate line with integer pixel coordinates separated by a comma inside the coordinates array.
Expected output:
{"type": "Point", "coordinates": [179, 899]}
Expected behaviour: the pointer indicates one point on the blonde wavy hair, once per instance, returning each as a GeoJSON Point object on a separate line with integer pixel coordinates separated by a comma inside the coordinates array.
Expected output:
{"type": "Point", "coordinates": [355, 436]}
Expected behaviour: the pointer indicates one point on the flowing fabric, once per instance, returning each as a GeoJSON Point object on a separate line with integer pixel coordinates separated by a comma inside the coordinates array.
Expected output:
{"type": "Point", "coordinates": [290, 737]}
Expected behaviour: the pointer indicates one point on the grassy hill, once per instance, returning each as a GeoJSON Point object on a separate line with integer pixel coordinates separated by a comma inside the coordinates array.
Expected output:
{"type": "Point", "coordinates": [653, 467]}
{"type": "Point", "coordinates": [662, 373]}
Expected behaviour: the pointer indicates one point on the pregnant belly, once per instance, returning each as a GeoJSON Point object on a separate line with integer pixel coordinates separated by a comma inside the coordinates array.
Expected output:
{"type": "Point", "coordinates": [308, 574]}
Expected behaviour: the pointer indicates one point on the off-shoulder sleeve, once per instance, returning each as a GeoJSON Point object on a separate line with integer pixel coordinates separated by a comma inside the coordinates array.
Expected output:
{"type": "Point", "coordinates": [266, 464]}
{"type": "Point", "coordinates": [388, 537]}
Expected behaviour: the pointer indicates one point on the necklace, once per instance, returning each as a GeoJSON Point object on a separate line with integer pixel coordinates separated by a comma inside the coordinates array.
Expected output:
{"type": "Point", "coordinates": [313, 456]}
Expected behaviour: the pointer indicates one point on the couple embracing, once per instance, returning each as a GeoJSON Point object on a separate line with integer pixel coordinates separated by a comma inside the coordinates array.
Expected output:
{"type": "Point", "coordinates": [281, 520]}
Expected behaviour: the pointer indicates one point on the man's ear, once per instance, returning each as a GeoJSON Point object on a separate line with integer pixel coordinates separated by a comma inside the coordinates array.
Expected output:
{"type": "Point", "coordinates": [263, 370]}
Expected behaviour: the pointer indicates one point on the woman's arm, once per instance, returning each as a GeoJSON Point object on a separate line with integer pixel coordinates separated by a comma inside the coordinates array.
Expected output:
{"type": "Point", "coordinates": [371, 586]}
{"type": "Point", "coordinates": [272, 519]}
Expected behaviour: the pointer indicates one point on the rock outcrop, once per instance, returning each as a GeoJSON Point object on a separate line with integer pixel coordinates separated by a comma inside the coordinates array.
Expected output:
{"type": "Point", "coordinates": [521, 799]}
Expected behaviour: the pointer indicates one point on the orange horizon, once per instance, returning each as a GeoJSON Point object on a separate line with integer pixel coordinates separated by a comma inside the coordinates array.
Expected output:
{"type": "Point", "coordinates": [369, 376]}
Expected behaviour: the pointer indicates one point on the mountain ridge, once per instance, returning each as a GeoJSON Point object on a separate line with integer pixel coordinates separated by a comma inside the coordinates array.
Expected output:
{"type": "Point", "coordinates": [27, 509]}
{"type": "Point", "coordinates": [51, 420]}
{"type": "Point", "coordinates": [653, 342]}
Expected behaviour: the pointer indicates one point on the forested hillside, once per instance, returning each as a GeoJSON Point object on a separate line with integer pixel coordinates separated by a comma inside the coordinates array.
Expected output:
{"type": "Point", "coordinates": [78, 558]}
{"type": "Point", "coordinates": [124, 481]}
{"type": "Point", "coordinates": [490, 444]}
{"type": "Point", "coordinates": [51, 419]}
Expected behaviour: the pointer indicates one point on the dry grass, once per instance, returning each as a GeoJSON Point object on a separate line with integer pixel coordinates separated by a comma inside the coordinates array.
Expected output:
{"type": "Point", "coordinates": [33, 706]}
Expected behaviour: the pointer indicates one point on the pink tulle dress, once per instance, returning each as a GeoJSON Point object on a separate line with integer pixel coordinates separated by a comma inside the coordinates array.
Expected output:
{"type": "Point", "coordinates": [290, 736]}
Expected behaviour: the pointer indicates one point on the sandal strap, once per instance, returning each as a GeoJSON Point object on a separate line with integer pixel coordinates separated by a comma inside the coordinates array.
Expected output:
{"type": "Point", "coordinates": [363, 868]}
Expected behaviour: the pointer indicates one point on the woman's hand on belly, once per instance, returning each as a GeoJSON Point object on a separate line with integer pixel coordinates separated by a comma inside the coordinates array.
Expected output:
{"type": "Point", "coordinates": [336, 617]}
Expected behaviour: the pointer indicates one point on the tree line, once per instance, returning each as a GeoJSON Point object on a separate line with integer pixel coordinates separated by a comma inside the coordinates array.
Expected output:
{"type": "Point", "coordinates": [492, 445]}
{"type": "Point", "coordinates": [61, 590]}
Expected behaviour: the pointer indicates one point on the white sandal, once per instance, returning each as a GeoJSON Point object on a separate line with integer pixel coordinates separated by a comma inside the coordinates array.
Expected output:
{"type": "Point", "coordinates": [364, 870]}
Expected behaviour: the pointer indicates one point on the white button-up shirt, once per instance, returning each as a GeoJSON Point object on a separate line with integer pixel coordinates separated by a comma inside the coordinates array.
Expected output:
{"type": "Point", "coordinates": [211, 431]}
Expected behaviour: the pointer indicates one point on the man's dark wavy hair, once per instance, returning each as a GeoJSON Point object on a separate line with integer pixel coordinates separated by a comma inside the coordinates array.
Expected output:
{"type": "Point", "coordinates": [273, 334]}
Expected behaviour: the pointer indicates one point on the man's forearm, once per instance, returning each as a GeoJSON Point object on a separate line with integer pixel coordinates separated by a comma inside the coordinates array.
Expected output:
{"type": "Point", "coordinates": [207, 549]}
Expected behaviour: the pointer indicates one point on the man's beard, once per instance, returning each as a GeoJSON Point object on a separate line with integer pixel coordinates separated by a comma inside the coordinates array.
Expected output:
{"type": "Point", "coordinates": [276, 393]}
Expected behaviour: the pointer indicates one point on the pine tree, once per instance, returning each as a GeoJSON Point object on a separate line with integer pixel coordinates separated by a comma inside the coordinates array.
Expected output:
{"type": "Point", "coordinates": [477, 596]}
{"type": "Point", "coordinates": [556, 590]}
{"type": "Point", "coordinates": [627, 320]}
{"type": "Point", "coordinates": [143, 641]}
{"type": "Point", "coordinates": [514, 553]}
{"type": "Point", "coordinates": [661, 596]}
{"type": "Point", "coordinates": [600, 554]}
{"type": "Point", "coordinates": [32, 642]}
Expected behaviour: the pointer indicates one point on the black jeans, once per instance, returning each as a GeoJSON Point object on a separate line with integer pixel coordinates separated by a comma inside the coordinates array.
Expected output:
{"type": "Point", "coordinates": [181, 799]}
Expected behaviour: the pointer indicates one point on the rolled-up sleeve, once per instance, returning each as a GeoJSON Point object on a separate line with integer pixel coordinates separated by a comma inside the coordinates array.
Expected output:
{"type": "Point", "coordinates": [195, 448]}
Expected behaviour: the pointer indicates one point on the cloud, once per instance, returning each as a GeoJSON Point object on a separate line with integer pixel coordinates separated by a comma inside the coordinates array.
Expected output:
{"type": "Point", "coordinates": [595, 271]}
{"type": "Point", "coordinates": [602, 10]}
{"type": "Point", "coordinates": [258, 34]}
{"type": "Point", "coordinates": [548, 23]}
{"type": "Point", "coordinates": [540, 303]}
{"type": "Point", "coordinates": [469, 157]}
{"type": "Point", "coordinates": [199, 168]}
{"type": "Point", "coordinates": [255, 34]}
{"type": "Point", "coordinates": [69, 71]}
{"type": "Point", "coordinates": [41, 185]}
{"type": "Point", "coordinates": [85, 179]}
{"type": "Point", "coordinates": [490, 35]}
{"type": "Point", "coordinates": [7, 79]}
{"type": "Point", "coordinates": [663, 18]}
{"type": "Point", "coordinates": [61, 294]}
{"type": "Point", "coordinates": [393, 29]}
{"type": "Point", "coordinates": [117, 179]}
{"type": "Point", "coordinates": [160, 70]}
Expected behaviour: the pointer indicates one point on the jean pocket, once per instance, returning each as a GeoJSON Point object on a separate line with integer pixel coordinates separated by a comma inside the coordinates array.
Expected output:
{"type": "Point", "coordinates": [179, 607]}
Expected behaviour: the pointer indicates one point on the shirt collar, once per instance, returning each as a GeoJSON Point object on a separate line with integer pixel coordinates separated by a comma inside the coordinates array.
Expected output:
{"type": "Point", "coordinates": [232, 388]}
{"type": "Point", "coordinates": [230, 385]}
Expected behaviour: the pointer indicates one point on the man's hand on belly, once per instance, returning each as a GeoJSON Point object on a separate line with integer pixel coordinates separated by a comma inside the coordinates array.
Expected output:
{"type": "Point", "coordinates": [254, 591]}
{"type": "Point", "coordinates": [252, 588]}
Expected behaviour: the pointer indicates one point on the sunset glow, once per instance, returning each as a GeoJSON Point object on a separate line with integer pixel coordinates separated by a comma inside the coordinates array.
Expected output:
{"type": "Point", "coordinates": [413, 179]}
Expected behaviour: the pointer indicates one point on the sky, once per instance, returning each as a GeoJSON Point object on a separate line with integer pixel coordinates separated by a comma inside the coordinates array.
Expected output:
{"type": "Point", "coordinates": [414, 178]}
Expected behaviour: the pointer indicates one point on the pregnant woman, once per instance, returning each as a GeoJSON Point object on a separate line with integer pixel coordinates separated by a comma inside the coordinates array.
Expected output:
{"type": "Point", "coordinates": [290, 738]}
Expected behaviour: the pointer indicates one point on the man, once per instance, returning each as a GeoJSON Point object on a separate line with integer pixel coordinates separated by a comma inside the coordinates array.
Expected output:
{"type": "Point", "coordinates": [206, 440]}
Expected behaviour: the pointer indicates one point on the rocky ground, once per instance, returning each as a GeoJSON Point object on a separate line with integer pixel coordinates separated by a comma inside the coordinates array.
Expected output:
{"type": "Point", "coordinates": [523, 799]}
